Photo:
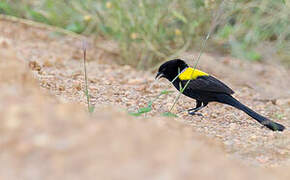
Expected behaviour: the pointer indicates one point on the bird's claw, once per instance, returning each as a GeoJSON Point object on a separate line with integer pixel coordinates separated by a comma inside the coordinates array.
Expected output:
{"type": "Point", "coordinates": [195, 113]}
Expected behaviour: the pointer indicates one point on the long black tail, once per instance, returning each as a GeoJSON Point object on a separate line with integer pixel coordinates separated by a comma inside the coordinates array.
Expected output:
{"type": "Point", "coordinates": [227, 99]}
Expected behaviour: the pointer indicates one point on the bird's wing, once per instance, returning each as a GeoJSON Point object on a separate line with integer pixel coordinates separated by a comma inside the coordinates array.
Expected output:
{"type": "Point", "coordinates": [209, 84]}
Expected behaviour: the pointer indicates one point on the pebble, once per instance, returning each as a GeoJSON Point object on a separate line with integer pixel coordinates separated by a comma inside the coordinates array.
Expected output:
{"type": "Point", "coordinates": [4, 42]}
{"type": "Point", "coordinates": [34, 66]}
{"type": "Point", "coordinates": [47, 63]}
{"type": "Point", "coordinates": [281, 102]}
{"type": "Point", "coordinates": [77, 86]}
{"type": "Point", "coordinates": [233, 126]}
{"type": "Point", "coordinates": [262, 159]}
{"type": "Point", "coordinates": [253, 137]}
{"type": "Point", "coordinates": [228, 142]}
{"type": "Point", "coordinates": [135, 81]}
{"type": "Point", "coordinates": [61, 87]}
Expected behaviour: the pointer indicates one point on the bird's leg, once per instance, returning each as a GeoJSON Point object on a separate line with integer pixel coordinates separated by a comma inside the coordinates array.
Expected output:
{"type": "Point", "coordinates": [199, 106]}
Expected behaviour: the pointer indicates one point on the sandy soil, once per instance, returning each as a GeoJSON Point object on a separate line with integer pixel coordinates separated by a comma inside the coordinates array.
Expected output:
{"type": "Point", "coordinates": [45, 132]}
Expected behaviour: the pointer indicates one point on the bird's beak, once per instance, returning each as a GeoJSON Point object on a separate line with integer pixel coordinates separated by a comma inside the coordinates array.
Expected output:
{"type": "Point", "coordinates": [159, 75]}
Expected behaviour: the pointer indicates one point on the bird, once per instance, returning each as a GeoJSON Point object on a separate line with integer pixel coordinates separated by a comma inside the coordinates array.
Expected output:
{"type": "Point", "coordinates": [205, 88]}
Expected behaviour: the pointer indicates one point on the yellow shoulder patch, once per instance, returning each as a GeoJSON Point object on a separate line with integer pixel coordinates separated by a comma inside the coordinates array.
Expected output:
{"type": "Point", "coordinates": [191, 74]}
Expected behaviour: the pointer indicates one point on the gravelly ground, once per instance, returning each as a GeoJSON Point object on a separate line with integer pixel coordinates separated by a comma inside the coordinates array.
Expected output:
{"type": "Point", "coordinates": [55, 62]}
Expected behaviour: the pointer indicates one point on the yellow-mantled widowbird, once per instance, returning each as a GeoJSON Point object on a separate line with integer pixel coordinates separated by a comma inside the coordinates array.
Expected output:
{"type": "Point", "coordinates": [205, 88]}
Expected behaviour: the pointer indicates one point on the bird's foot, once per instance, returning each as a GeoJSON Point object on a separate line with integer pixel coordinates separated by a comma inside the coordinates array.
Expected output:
{"type": "Point", "coordinates": [195, 113]}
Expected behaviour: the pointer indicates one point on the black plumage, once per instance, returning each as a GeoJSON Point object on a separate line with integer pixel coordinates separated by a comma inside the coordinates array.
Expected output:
{"type": "Point", "coordinates": [205, 89]}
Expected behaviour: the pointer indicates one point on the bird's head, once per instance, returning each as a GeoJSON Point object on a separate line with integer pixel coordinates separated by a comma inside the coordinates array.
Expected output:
{"type": "Point", "coordinates": [170, 69]}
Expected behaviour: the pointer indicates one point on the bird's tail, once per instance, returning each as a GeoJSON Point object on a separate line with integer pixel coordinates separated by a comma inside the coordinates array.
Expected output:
{"type": "Point", "coordinates": [227, 99]}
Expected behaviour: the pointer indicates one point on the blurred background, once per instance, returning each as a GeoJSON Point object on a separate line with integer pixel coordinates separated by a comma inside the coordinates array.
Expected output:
{"type": "Point", "coordinates": [148, 31]}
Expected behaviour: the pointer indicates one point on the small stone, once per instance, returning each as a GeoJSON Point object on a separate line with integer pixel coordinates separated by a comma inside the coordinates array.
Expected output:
{"type": "Point", "coordinates": [214, 115]}
{"type": "Point", "coordinates": [5, 43]}
{"type": "Point", "coordinates": [262, 159]}
{"type": "Point", "coordinates": [228, 142]}
{"type": "Point", "coordinates": [135, 81]}
{"type": "Point", "coordinates": [253, 137]}
{"type": "Point", "coordinates": [77, 86]}
{"type": "Point", "coordinates": [281, 102]}
{"type": "Point", "coordinates": [233, 126]}
{"type": "Point", "coordinates": [34, 66]}
{"type": "Point", "coordinates": [141, 88]}
{"type": "Point", "coordinates": [283, 152]}
{"type": "Point", "coordinates": [61, 88]}
{"type": "Point", "coordinates": [47, 63]}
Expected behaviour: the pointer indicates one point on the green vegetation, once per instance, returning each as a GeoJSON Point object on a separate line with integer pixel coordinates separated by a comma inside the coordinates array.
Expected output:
{"type": "Point", "coordinates": [148, 108]}
{"type": "Point", "coordinates": [149, 31]}
{"type": "Point", "coordinates": [91, 107]}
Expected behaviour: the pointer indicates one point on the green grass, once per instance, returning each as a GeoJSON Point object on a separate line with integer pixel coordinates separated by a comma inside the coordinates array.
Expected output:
{"type": "Point", "coordinates": [148, 108]}
{"type": "Point", "coordinates": [150, 31]}
{"type": "Point", "coordinates": [91, 107]}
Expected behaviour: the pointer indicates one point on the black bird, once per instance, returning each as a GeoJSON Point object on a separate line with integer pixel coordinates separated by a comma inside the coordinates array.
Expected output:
{"type": "Point", "coordinates": [205, 88]}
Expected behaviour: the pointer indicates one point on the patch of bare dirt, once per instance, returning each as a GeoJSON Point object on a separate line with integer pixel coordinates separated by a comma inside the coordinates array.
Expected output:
{"type": "Point", "coordinates": [45, 136]}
